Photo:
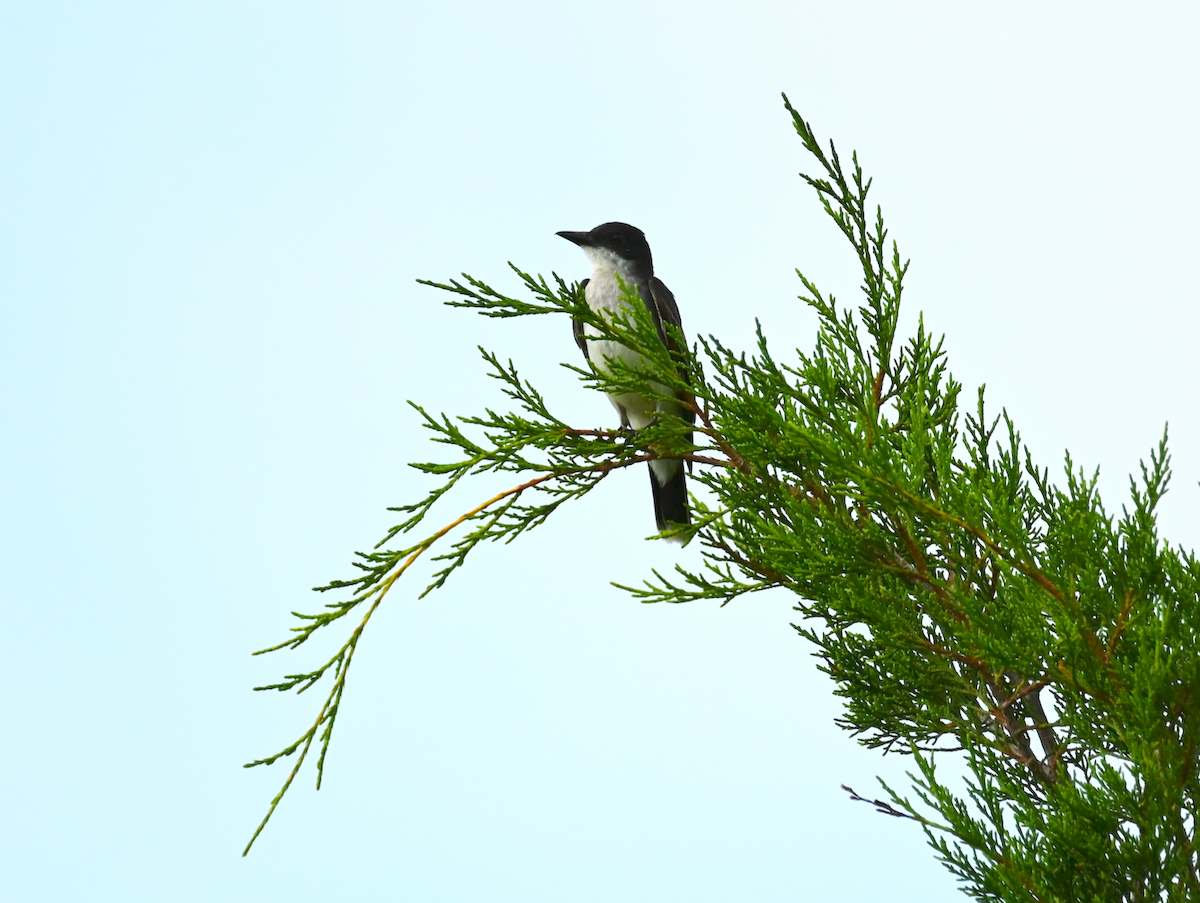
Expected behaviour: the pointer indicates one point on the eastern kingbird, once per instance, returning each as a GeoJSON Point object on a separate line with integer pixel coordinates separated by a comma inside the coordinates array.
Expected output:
{"type": "Point", "coordinates": [618, 249]}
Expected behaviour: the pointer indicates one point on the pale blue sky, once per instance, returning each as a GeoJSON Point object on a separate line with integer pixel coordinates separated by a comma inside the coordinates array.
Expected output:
{"type": "Point", "coordinates": [211, 219]}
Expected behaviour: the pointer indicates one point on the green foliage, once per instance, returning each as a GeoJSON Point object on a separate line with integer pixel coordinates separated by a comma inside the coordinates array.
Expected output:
{"type": "Point", "coordinates": [963, 603]}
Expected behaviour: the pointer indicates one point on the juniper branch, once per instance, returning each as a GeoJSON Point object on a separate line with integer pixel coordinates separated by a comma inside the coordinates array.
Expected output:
{"type": "Point", "coordinates": [958, 596]}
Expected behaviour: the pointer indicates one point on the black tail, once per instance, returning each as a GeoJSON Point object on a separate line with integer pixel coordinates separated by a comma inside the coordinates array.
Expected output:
{"type": "Point", "coordinates": [670, 500]}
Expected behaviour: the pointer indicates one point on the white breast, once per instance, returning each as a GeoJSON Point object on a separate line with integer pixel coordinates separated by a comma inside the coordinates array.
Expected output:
{"type": "Point", "coordinates": [603, 295]}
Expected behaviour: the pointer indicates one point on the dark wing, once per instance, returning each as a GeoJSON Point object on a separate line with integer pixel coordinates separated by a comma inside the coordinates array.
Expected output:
{"type": "Point", "coordinates": [665, 311]}
{"type": "Point", "coordinates": [663, 306]}
{"type": "Point", "coordinates": [577, 326]}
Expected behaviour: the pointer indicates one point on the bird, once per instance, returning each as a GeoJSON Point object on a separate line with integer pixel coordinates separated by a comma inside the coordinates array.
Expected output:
{"type": "Point", "coordinates": [619, 249]}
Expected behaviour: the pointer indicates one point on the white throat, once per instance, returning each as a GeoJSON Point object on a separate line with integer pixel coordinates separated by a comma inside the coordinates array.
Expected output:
{"type": "Point", "coordinates": [605, 263]}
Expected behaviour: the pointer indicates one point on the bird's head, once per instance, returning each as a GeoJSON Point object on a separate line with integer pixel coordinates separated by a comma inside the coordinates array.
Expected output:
{"type": "Point", "coordinates": [617, 245]}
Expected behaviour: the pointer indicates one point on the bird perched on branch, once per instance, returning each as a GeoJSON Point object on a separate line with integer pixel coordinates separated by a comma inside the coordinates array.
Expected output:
{"type": "Point", "coordinates": [619, 249]}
